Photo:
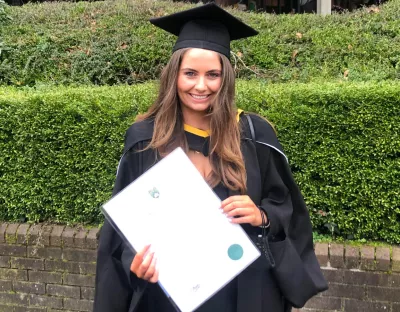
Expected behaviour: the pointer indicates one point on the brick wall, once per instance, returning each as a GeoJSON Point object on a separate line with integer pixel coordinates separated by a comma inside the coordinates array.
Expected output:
{"type": "Point", "coordinates": [51, 268]}
{"type": "Point", "coordinates": [46, 268]}
{"type": "Point", "coordinates": [361, 279]}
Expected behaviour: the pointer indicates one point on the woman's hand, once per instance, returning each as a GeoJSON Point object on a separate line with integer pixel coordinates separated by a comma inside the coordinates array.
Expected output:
{"type": "Point", "coordinates": [144, 265]}
{"type": "Point", "coordinates": [243, 208]}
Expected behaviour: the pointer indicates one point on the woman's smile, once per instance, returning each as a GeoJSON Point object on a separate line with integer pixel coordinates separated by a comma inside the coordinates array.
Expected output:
{"type": "Point", "coordinates": [200, 97]}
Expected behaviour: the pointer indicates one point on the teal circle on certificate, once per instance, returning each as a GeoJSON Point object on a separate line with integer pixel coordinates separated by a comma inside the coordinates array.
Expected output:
{"type": "Point", "coordinates": [235, 252]}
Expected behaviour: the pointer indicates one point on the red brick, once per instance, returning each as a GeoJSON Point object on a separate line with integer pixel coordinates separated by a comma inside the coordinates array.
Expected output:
{"type": "Point", "coordinates": [70, 267]}
{"type": "Point", "coordinates": [84, 267]}
{"type": "Point", "coordinates": [352, 257]}
{"type": "Point", "coordinates": [22, 233]}
{"type": "Point", "coordinates": [366, 278]}
{"type": "Point", "coordinates": [26, 263]}
{"type": "Point", "coordinates": [29, 287]}
{"type": "Point", "coordinates": [336, 252]}
{"type": "Point", "coordinates": [396, 259]}
{"type": "Point", "coordinates": [64, 291]}
{"type": "Point", "coordinates": [55, 265]}
{"type": "Point", "coordinates": [394, 280]}
{"type": "Point", "coordinates": [383, 294]}
{"type": "Point", "coordinates": [55, 235]}
{"type": "Point", "coordinates": [382, 258]}
{"type": "Point", "coordinates": [5, 286]}
{"type": "Point", "coordinates": [78, 305]}
{"type": "Point", "coordinates": [44, 301]}
{"type": "Point", "coordinates": [79, 255]}
{"type": "Point", "coordinates": [4, 308]}
{"type": "Point", "coordinates": [46, 253]}
{"type": "Point", "coordinates": [9, 298]}
{"type": "Point", "coordinates": [324, 303]}
{"type": "Point", "coordinates": [80, 238]}
{"type": "Point", "coordinates": [92, 238]}
{"type": "Point", "coordinates": [45, 277]}
{"type": "Point", "coordinates": [367, 258]}
{"type": "Point", "coordinates": [44, 235]}
{"type": "Point", "coordinates": [3, 227]}
{"type": "Point", "coordinates": [4, 262]}
{"type": "Point", "coordinates": [345, 291]}
{"type": "Point", "coordinates": [321, 251]}
{"type": "Point", "coordinates": [13, 250]}
{"type": "Point", "coordinates": [12, 274]}
{"type": "Point", "coordinates": [365, 306]}
{"type": "Point", "coordinates": [79, 280]}
{"type": "Point", "coordinates": [26, 309]}
{"type": "Point", "coordinates": [33, 234]}
{"type": "Point", "coordinates": [333, 276]}
{"type": "Point", "coordinates": [11, 233]}
{"type": "Point", "coordinates": [87, 293]}
{"type": "Point", "coordinates": [68, 237]}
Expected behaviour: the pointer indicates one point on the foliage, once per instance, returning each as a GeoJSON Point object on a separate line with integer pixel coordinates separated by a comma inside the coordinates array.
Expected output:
{"type": "Point", "coordinates": [59, 148]}
{"type": "Point", "coordinates": [4, 17]}
{"type": "Point", "coordinates": [344, 148]}
{"type": "Point", "coordinates": [112, 42]}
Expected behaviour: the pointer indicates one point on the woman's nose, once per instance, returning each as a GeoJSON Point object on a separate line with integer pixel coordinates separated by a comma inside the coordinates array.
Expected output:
{"type": "Point", "coordinates": [201, 84]}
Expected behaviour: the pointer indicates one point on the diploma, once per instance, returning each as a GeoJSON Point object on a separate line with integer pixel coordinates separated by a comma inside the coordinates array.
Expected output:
{"type": "Point", "coordinates": [172, 208]}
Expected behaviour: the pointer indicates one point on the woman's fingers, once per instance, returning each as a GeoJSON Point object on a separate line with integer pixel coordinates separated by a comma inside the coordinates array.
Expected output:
{"type": "Point", "coordinates": [241, 209]}
{"type": "Point", "coordinates": [234, 205]}
{"type": "Point", "coordinates": [241, 220]}
{"type": "Point", "coordinates": [232, 199]}
{"type": "Point", "coordinates": [154, 278]}
{"type": "Point", "coordinates": [145, 265]}
{"type": "Point", "coordinates": [138, 259]}
{"type": "Point", "coordinates": [239, 212]}
{"type": "Point", "coordinates": [151, 270]}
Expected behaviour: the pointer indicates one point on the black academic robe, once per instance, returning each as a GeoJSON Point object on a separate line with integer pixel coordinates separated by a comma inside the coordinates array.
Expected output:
{"type": "Point", "coordinates": [261, 287]}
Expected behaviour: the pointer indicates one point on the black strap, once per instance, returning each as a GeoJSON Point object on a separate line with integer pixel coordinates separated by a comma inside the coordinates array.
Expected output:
{"type": "Point", "coordinates": [251, 127]}
{"type": "Point", "coordinates": [264, 233]}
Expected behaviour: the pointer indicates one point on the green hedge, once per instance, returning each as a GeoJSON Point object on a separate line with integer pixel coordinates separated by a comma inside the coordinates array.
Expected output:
{"type": "Point", "coordinates": [112, 42]}
{"type": "Point", "coordinates": [59, 149]}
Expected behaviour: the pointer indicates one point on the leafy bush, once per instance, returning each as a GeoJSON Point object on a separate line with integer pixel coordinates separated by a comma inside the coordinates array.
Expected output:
{"type": "Point", "coordinates": [4, 17]}
{"type": "Point", "coordinates": [59, 149]}
{"type": "Point", "coordinates": [112, 42]}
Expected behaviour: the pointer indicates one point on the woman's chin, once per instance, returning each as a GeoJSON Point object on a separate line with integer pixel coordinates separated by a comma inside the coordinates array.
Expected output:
{"type": "Point", "coordinates": [198, 108]}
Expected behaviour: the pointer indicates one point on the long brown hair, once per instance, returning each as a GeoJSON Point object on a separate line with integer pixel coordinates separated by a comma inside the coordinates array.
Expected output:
{"type": "Point", "coordinates": [225, 154]}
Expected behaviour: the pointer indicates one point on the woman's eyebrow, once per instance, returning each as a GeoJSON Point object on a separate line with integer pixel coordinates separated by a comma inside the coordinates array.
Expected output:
{"type": "Point", "coordinates": [210, 71]}
{"type": "Point", "coordinates": [187, 68]}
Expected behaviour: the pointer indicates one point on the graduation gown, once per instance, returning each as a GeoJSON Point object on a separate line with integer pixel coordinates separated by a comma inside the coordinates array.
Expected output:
{"type": "Point", "coordinates": [292, 279]}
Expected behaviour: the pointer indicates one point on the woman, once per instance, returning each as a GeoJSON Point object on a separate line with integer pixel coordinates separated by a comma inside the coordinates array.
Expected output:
{"type": "Point", "coordinates": [241, 159]}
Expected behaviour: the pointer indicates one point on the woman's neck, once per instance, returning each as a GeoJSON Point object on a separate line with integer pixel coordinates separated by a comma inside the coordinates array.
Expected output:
{"type": "Point", "coordinates": [199, 120]}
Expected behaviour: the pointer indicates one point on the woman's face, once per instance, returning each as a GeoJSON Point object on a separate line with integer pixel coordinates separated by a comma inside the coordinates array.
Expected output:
{"type": "Point", "coordinates": [199, 79]}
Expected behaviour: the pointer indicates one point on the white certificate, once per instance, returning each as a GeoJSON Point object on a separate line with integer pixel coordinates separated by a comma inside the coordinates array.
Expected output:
{"type": "Point", "coordinates": [172, 208]}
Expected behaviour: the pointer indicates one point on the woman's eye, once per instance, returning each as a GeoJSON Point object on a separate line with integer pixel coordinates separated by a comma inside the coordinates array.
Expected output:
{"type": "Point", "coordinates": [189, 74]}
{"type": "Point", "coordinates": [214, 75]}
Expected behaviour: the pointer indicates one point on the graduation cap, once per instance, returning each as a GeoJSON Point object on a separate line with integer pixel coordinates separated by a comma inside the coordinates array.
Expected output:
{"type": "Point", "coordinates": [206, 27]}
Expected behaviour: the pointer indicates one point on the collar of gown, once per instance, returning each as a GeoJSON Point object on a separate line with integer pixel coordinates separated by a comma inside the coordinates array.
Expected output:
{"type": "Point", "coordinates": [199, 140]}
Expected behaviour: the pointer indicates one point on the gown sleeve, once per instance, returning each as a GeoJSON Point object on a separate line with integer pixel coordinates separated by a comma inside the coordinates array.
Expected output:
{"type": "Point", "coordinates": [296, 270]}
{"type": "Point", "coordinates": [115, 285]}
